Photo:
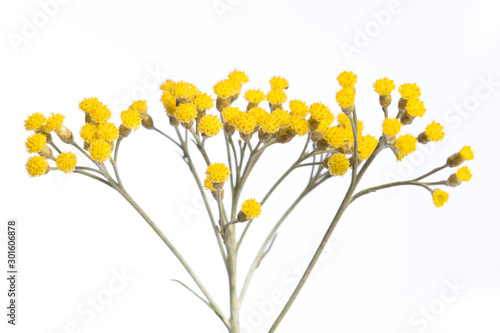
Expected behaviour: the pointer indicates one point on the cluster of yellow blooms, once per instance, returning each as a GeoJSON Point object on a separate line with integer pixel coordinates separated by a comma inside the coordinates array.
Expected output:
{"type": "Point", "coordinates": [187, 106]}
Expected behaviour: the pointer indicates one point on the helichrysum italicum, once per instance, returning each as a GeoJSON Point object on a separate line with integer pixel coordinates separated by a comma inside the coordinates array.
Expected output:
{"type": "Point", "coordinates": [209, 125]}
{"type": "Point", "coordinates": [100, 114]}
{"type": "Point", "coordinates": [384, 86]}
{"type": "Point", "coordinates": [184, 90]}
{"type": "Point", "coordinates": [140, 106]}
{"type": "Point", "coordinates": [238, 77]}
{"type": "Point", "coordinates": [366, 146]}
{"type": "Point", "coordinates": [336, 136]}
{"type": "Point", "coordinates": [131, 119]}
{"type": "Point", "coordinates": [100, 150]}
{"type": "Point", "coordinates": [464, 174]}
{"type": "Point", "coordinates": [299, 124]}
{"type": "Point", "coordinates": [245, 123]}
{"type": "Point", "coordinates": [66, 162]}
{"type": "Point", "coordinates": [298, 108]}
{"type": "Point", "coordinates": [466, 153]}
{"type": "Point", "coordinates": [89, 104]}
{"type": "Point", "coordinates": [34, 121]}
{"type": "Point", "coordinates": [255, 96]}
{"type": "Point", "coordinates": [35, 143]}
{"type": "Point", "coordinates": [107, 131]}
{"type": "Point", "coordinates": [278, 82]}
{"type": "Point", "coordinates": [405, 144]}
{"type": "Point", "coordinates": [276, 96]}
{"type": "Point", "coordinates": [347, 79]}
{"type": "Point", "coordinates": [54, 121]}
{"type": "Point", "coordinates": [319, 112]}
{"type": "Point", "coordinates": [434, 131]}
{"type": "Point", "coordinates": [439, 197]}
{"type": "Point", "coordinates": [203, 102]}
{"type": "Point", "coordinates": [186, 113]}
{"type": "Point", "coordinates": [415, 107]}
{"type": "Point", "coordinates": [391, 127]}
{"type": "Point", "coordinates": [269, 123]}
{"type": "Point", "coordinates": [282, 117]}
{"type": "Point", "coordinates": [88, 132]}
{"type": "Point", "coordinates": [338, 164]}
{"type": "Point", "coordinates": [409, 91]}
{"type": "Point", "coordinates": [36, 166]}
{"type": "Point", "coordinates": [230, 115]}
{"type": "Point", "coordinates": [345, 97]}
{"type": "Point", "coordinates": [226, 88]}
{"type": "Point", "coordinates": [218, 172]}
{"type": "Point", "coordinates": [258, 114]}
{"type": "Point", "coordinates": [251, 208]}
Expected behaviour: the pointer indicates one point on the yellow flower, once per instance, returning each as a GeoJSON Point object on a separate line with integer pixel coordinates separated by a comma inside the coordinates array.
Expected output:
{"type": "Point", "coordinates": [208, 185]}
{"type": "Point", "coordinates": [384, 86]}
{"type": "Point", "coordinates": [169, 102]}
{"type": "Point", "coordinates": [325, 123]}
{"type": "Point", "coordinates": [209, 125]}
{"type": "Point", "coordinates": [218, 172]}
{"type": "Point", "coordinates": [255, 96]}
{"type": "Point", "coordinates": [344, 122]}
{"type": "Point", "coordinates": [338, 164]}
{"type": "Point", "coordinates": [405, 145]}
{"type": "Point", "coordinates": [299, 124]}
{"type": "Point", "coordinates": [185, 90]}
{"type": "Point", "coordinates": [89, 104]}
{"type": "Point", "coordinates": [139, 106]}
{"type": "Point", "coordinates": [276, 96]}
{"type": "Point", "coordinates": [409, 91]}
{"type": "Point", "coordinates": [278, 82]}
{"type": "Point", "coordinates": [131, 119]}
{"type": "Point", "coordinates": [66, 162]}
{"type": "Point", "coordinates": [464, 174]}
{"type": "Point", "coordinates": [230, 114]}
{"type": "Point", "coordinates": [36, 166]}
{"type": "Point", "coordinates": [238, 77]}
{"type": "Point", "coordinates": [269, 123]}
{"type": "Point", "coordinates": [335, 136]}
{"type": "Point", "coordinates": [203, 102]}
{"type": "Point", "coordinates": [88, 132]}
{"type": "Point", "coordinates": [107, 131]}
{"type": "Point", "coordinates": [434, 131]}
{"type": "Point", "coordinates": [282, 117]}
{"type": "Point", "coordinates": [186, 113]}
{"type": "Point", "coordinates": [100, 150]}
{"type": "Point", "coordinates": [54, 121]}
{"type": "Point", "coordinates": [415, 107]}
{"type": "Point", "coordinates": [226, 88]}
{"type": "Point", "coordinates": [167, 85]}
{"type": "Point", "coordinates": [100, 114]}
{"type": "Point", "coordinates": [34, 121]}
{"type": "Point", "coordinates": [319, 112]}
{"type": "Point", "coordinates": [366, 146]}
{"type": "Point", "coordinates": [251, 208]}
{"type": "Point", "coordinates": [466, 153]}
{"type": "Point", "coordinates": [258, 114]}
{"type": "Point", "coordinates": [36, 142]}
{"type": "Point", "coordinates": [347, 79]}
{"type": "Point", "coordinates": [245, 123]}
{"type": "Point", "coordinates": [298, 108]}
{"type": "Point", "coordinates": [439, 197]}
{"type": "Point", "coordinates": [345, 97]}
{"type": "Point", "coordinates": [391, 127]}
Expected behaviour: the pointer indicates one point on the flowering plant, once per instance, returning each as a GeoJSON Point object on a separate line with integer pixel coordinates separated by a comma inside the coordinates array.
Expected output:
{"type": "Point", "coordinates": [331, 149]}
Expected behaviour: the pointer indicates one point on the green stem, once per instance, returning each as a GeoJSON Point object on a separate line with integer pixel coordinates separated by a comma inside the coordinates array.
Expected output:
{"type": "Point", "coordinates": [431, 172]}
{"type": "Point", "coordinates": [388, 185]}
{"type": "Point", "coordinates": [167, 136]}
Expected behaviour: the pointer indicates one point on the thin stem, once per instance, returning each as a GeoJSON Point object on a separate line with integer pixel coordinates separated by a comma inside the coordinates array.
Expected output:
{"type": "Point", "coordinates": [200, 146]}
{"type": "Point", "coordinates": [114, 162]}
{"type": "Point", "coordinates": [431, 172]}
{"type": "Point", "coordinates": [93, 177]}
{"type": "Point", "coordinates": [88, 169]}
{"type": "Point", "coordinates": [167, 136]}
{"type": "Point", "coordinates": [388, 185]}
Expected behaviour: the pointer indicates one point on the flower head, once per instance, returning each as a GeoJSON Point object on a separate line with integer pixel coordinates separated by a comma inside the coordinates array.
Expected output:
{"type": "Point", "coordinates": [366, 146]}
{"type": "Point", "coordinates": [335, 136]}
{"type": "Point", "coordinates": [269, 123]}
{"type": "Point", "coordinates": [245, 123]}
{"type": "Point", "coordinates": [36, 166]}
{"type": "Point", "coordinates": [88, 132]}
{"type": "Point", "coordinates": [464, 174]}
{"type": "Point", "coordinates": [384, 86]}
{"type": "Point", "coordinates": [251, 208]}
{"type": "Point", "coordinates": [345, 97]}
{"type": "Point", "coordinates": [278, 82]}
{"type": "Point", "coordinates": [100, 150]}
{"type": "Point", "coordinates": [186, 113]}
{"type": "Point", "coordinates": [66, 162]}
{"type": "Point", "coordinates": [207, 184]}
{"type": "Point", "coordinates": [466, 153]}
{"type": "Point", "coordinates": [139, 106]}
{"type": "Point", "coordinates": [89, 104]}
{"type": "Point", "coordinates": [169, 102]}
{"type": "Point", "coordinates": [319, 112]}
{"type": "Point", "coordinates": [282, 117]}
{"type": "Point", "coordinates": [34, 121]}
{"type": "Point", "coordinates": [100, 113]}
{"type": "Point", "coordinates": [255, 96]}
{"type": "Point", "coordinates": [347, 79]}
{"type": "Point", "coordinates": [391, 127]}
{"type": "Point", "coordinates": [226, 88]}
{"type": "Point", "coordinates": [338, 164]}
{"type": "Point", "coordinates": [36, 142]}
{"type": "Point", "coordinates": [439, 197]}
{"type": "Point", "coordinates": [210, 125]}
{"type": "Point", "coordinates": [54, 121]}
{"type": "Point", "coordinates": [405, 145]}
{"type": "Point", "coordinates": [107, 131]}
{"type": "Point", "coordinates": [203, 102]}
{"type": "Point", "coordinates": [184, 90]}
{"type": "Point", "coordinates": [167, 85]}
{"type": "Point", "coordinates": [218, 172]}
{"type": "Point", "coordinates": [298, 108]}
{"type": "Point", "coordinates": [230, 114]}
{"type": "Point", "coordinates": [276, 96]}
{"type": "Point", "coordinates": [415, 107]}
{"type": "Point", "coordinates": [300, 125]}
{"type": "Point", "coordinates": [238, 77]}
{"type": "Point", "coordinates": [258, 114]}
{"type": "Point", "coordinates": [409, 91]}
{"type": "Point", "coordinates": [434, 131]}
{"type": "Point", "coordinates": [131, 119]}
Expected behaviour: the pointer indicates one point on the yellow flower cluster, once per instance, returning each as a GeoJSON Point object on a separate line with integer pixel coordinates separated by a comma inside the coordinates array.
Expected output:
{"type": "Point", "coordinates": [384, 86]}
{"type": "Point", "coordinates": [209, 125]}
{"type": "Point", "coordinates": [338, 164]}
{"type": "Point", "coordinates": [251, 208]}
{"type": "Point", "coordinates": [255, 96]}
{"type": "Point", "coordinates": [218, 172]}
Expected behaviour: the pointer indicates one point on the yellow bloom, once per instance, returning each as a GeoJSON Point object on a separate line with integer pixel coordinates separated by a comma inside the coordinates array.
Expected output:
{"type": "Point", "coordinates": [255, 96]}
{"type": "Point", "coordinates": [405, 145]}
{"type": "Point", "coordinates": [466, 153]}
{"type": "Point", "coordinates": [409, 91]}
{"type": "Point", "coordinates": [278, 82]}
{"type": "Point", "coordinates": [347, 79]}
{"type": "Point", "coordinates": [439, 197]}
{"type": "Point", "coordinates": [185, 90]}
{"type": "Point", "coordinates": [384, 86]}
{"type": "Point", "coordinates": [66, 162]}
{"type": "Point", "coordinates": [167, 85]}
{"type": "Point", "coordinates": [107, 131]}
{"type": "Point", "coordinates": [269, 123]}
{"type": "Point", "coordinates": [36, 166]}
{"type": "Point", "coordinates": [218, 172]}
{"type": "Point", "coordinates": [238, 77]}
{"type": "Point", "coordinates": [89, 104]}
{"type": "Point", "coordinates": [415, 107]}
{"type": "Point", "coordinates": [203, 102]}
{"type": "Point", "coordinates": [335, 136]}
{"type": "Point", "coordinates": [54, 121]}
{"type": "Point", "coordinates": [338, 164]}
{"type": "Point", "coordinates": [344, 122]}
{"type": "Point", "coordinates": [258, 114]}
{"type": "Point", "coordinates": [391, 127]}
{"type": "Point", "coordinates": [230, 114]}
{"type": "Point", "coordinates": [298, 108]}
{"type": "Point", "coordinates": [325, 123]}
{"type": "Point", "coordinates": [209, 125]}
{"type": "Point", "coordinates": [299, 124]}
{"type": "Point", "coordinates": [88, 132]}
{"type": "Point", "coordinates": [226, 88]}
{"type": "Point", "coordinates": [139, 106]}
{"type": "Point", "coordinates": [345, 97]}
{"type": "Point", "coordinates": [186, 113]}
{"type": "Point", "coordinates": [366, 146]}
{"type": "Point", "coordinates": [207, 184]}
{"type": "Point", "coordinates": [100, 150]}
{"type": "Point", "coordinates": [100, 114]}
{"type": "Point", "coordinates": [319, 112]}
{"type": "Point", "coordinates": [131, 119]}
{"type": "Point", "coordinates": [251, 208]}
{"type": "Point", "coordinates": [245, 123]}
{"type": "Point", "coordinates": [282, 117]}
{"type": "Point", "coordinates": [169, 102]}
{"type": "Point", "coordinates": [276, 96]}
{"type": "Point", "coordinates": [34, 121]}
{"type": "Point", "coordinates": [36, 142]}
{"type": "Point", "coordinates": [434, 131]}
{"type": "Point", "coordinates": [464, 174]}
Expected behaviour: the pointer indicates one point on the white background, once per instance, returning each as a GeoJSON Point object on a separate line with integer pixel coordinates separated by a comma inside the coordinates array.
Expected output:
{"type": "Point", "coordinates": [393, 252]}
